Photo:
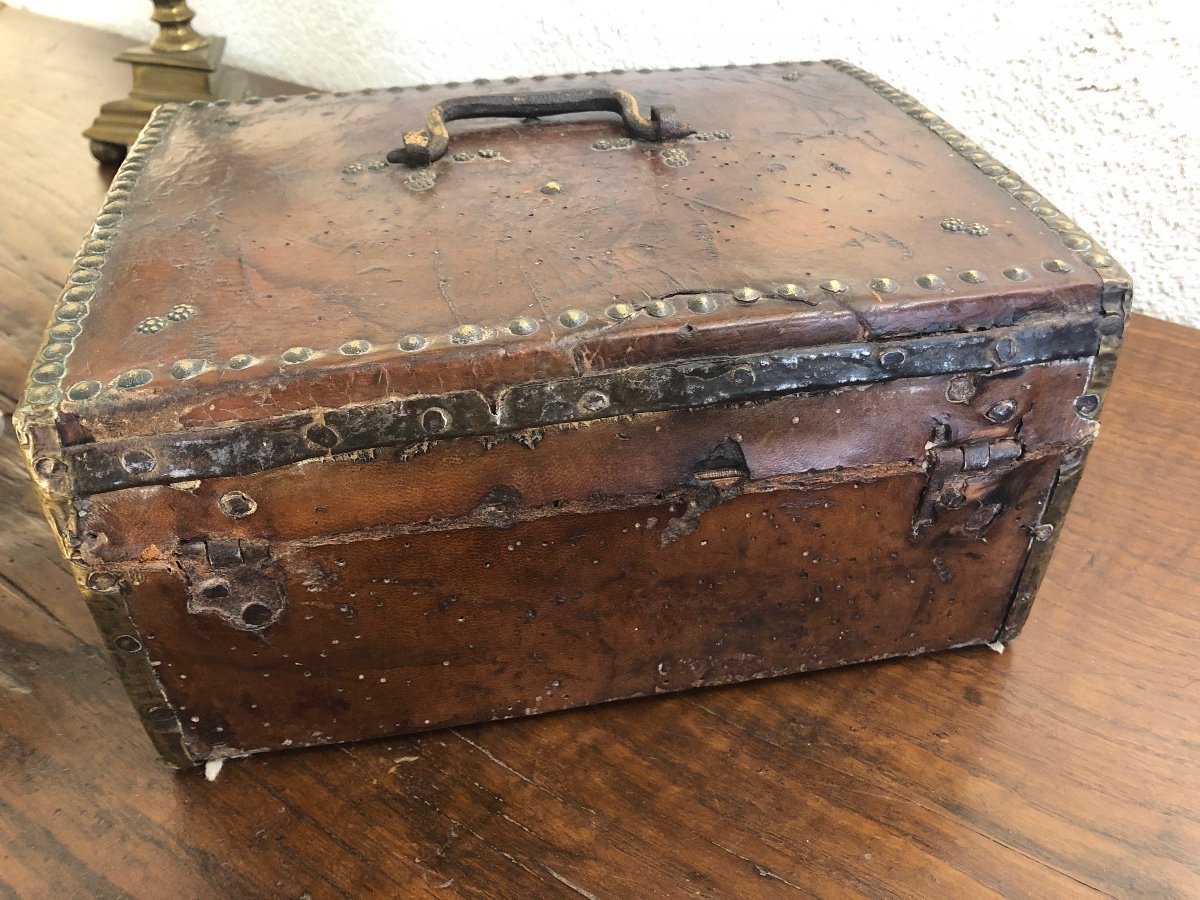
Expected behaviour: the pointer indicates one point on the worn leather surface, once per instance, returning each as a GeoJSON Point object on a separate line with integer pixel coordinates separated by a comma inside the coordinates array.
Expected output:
{"type": "Point", "coordinates": [281, 226]}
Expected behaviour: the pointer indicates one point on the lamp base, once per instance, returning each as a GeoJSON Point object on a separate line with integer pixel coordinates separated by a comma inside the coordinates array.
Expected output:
{"type": "Point", "coordinates": [161, 77]}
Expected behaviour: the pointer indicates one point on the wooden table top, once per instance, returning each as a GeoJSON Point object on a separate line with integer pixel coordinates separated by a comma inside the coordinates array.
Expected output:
{"type": "Point", "coordinates": [1069, 765]}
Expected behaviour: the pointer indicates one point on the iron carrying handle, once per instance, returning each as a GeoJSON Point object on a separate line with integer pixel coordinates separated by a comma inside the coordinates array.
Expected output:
{"type": "Point", "coordinates": [430, 144]}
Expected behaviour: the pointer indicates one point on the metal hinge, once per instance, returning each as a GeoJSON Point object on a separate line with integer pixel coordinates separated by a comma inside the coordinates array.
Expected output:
{"type": "Point", "coordinates": [235, 580]}
{"type": "Point", "coordinates": [953, 482]}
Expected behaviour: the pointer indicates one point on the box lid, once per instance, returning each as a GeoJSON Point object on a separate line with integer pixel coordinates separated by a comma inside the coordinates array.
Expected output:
{"type": "Point", "coordinates": [263, 264]}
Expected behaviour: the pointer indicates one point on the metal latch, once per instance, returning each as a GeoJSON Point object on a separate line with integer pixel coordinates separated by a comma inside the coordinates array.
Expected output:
{"type": "Point", "coordinates": [235, 580]}
{"type": "Point", "coordinates": [953, 482]}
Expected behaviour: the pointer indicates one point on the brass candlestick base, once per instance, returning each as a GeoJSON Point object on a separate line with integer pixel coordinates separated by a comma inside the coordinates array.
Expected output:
{"type": "Point", "coordinates": [179, 65]}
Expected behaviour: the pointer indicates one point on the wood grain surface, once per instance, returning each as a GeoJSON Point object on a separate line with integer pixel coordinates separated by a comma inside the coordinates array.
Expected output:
{"type": "Point", "coordinates": [1065, 767]}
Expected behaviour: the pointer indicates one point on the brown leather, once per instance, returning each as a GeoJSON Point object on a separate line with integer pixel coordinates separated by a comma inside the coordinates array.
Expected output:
{"type": "Point", "coordinates": [608, 550]}
{"type": "Point", "coordinates": [246, 213]}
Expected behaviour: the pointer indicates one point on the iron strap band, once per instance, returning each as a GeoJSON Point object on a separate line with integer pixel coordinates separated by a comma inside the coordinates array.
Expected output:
{"type": "Point", "coordinates": [254, 446]}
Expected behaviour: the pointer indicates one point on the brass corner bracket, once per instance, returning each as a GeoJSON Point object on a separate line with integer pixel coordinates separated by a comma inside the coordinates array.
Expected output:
{"type": "Point", "coordinates": [179, 65]}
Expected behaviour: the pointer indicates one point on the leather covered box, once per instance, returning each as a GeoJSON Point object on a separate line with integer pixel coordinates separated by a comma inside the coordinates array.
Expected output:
{"type": "Point", "coordinates": [353, 425]}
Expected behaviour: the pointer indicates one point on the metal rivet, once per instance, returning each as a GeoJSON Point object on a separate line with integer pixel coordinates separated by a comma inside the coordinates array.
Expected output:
{"type": "Point", "coordinates": [746, 295]}
{"type": "Point", "coordinates": [602, 144]}
{"type": "Point", "coordinates": [413, 342]}
{"type": "Point", "coordinates": [593, 401]}
{"type": "Point", "coordinates": [883, 285]}
{"type": "Point", "coordinates": [891, 359]}
{"type": "Point", "coordinates": [953, 224]}
{"type": "Point", "coordinates": [377, 165]}
{"type": "Point", "coordinates": [930, 282]}
{"type": "Point", "coordinates": [1016, 273]}
{"type": "Point", "coordinates": [352, 169]}
{"type": "Point", "coordinates": [523, 325]}
{"type": "Point", "coordinates": [107, 220]}
{"type": "Point", "coordinates": [435, 420]}
{"type": "Point", "coordinates": [1027, 196]}
{"type": "Point", "coordinates": [1002, 411]}
{"type": "Point", "coordinates": [978, 229]}
{"type": "Point", "coordinates": [660, 309]}
{"type": "Point", "coordinates": [1087, 404]}
{"type": "Point", "coordinates": [1043, 532]}
{"type": "Point", "coordinates": [181, 312]}
{"type": "Point", "coordinates": [151, 325]}
{"type": "Point", "coordinates": [242, 361]}
{"type": "Point", "coordinates": [789, 291]}
{"type": "Point", "coordinates": [322, 436]}
{"type": "Point", "coordinates": [355, 348]}
{"type": "Point", "coordinates": [89, 262]}
{"type": "Point", "coordinates": [972, 276]}
{"type": "Point", "coordinates": [551, 187]}
{"type": "Point", "coordinates": [237, 505]}
{"type": "Point", "coordinates": [134, 378]}
{"type": "Point", "coordinates": [701, 303]}
{"type": "Point", "coordinates": [994, 170]}
{"type": "Point", "coordinates": [138, 462]}
{"type": "Point", "coordinates": [674, 157]}
{"type": "Point", "coordinates": [467, 334]}
{"type": "Point", "coordinates": [103, 582]}
{"type": "Point", "coordinates": [489, 153]}
{"type": "Point", "coordinates": [1098, 260]}
{"type": "Point", "coordinates": [84, 390]}
{"type": "Point", "coordinates": [960, 389]}
{"type": "Point", "coordinates": [573, 318]}
{"type": "Point", "coordinates": [463, 156]}
{"type": "Point", "coordinates": [1006, 349]}
{"type": "Point", "coordinates": [294, 355]}
{"type": "Point", "coordinates": [1076, 242]}
{"type": "Point", "coordinates": [184, 369]}
{"type": "Point", "coordinates": [742, 375]}
{"type": "Point", "coordinates": [49, 466]}
{"type": "Point", "coordinates": [833, 286]}
{"type": "Point", "coordinates": [96, 247]}
{"type": "Point", "coordinates": [49, 373]}
{"type": "Point", "coordinates": [127, 643]}
{"type": "Point", "coordinates": [1009, 183]}
{"type": "Point", "coordinates": [71, 311]}
{"type": "Point", "coordinates": [620, 311]}
{"type": "Point", "coordinates": [79, 294]}
{"type": "Point", "coordinates": [1056, 265]}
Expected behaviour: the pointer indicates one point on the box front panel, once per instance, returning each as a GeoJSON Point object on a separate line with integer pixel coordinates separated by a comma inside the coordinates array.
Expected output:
{"type": "Point", "coordinates": [385, 593]}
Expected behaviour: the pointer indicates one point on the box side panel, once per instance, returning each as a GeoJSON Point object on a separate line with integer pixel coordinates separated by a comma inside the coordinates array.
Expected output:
{"type": "Point", "coordinates": [370, 595]}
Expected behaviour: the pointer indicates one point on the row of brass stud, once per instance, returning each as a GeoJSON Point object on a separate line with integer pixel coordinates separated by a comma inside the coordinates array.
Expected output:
{"type": "Point", "coordinates": [45, 387]}
{"type": "Point", "coordinates": [522, 326]}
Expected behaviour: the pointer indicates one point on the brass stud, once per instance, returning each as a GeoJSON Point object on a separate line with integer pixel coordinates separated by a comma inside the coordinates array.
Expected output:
{"type": "Point", "coordinates": [977, 229]}
{"type": "Point", "coordinates": [49, 373]}
{"type": "Point", "coordinates": [134, 378]}
{"type": "Point", "coordinates": [701, 303]}
{"type": "Point", "coordinates": [294, 355]}
{"type": "Point", "coordinates": [184, 369]}
{"type": "Point", "coordinates": [44, 394]}
{"type": "Point", "coordinates": [660, 309]}
{"type": "Point", "coordinates": [972, 276]}
{"type": "Point", "coordinates": [151, 325]}
{"type": "Point", "coordinates": [551, 187]}
{"type": "Point", "coordinates": [883, 285]}
{"type": "Point", "coordinates": [1076, 242]}
{"type": "Point", "coordinates": [1027, 196]}
{"type": "Point", "coordinates": [107, 220]}
{"type": "Point", "coordinates": [83, 276]}
{"type": "Point", "coordinates": [84, 390]}
{"type": "Point", "coordinates": [1098, 260]}
{"type": "Point", "coordinates": [952, 224]}
{"type": "Point", "coordinates": [242, 361]}
{"type": "Point", "coordinates": [789, 292]}
{"type": "Point", "coordinates": [1009, 183]}
{"type": "Point", "coordinates": [91, 261]}
{"type": "Point", "coordinates": [746, 295]}
{"type": "Point", "coordinates": [489, 153]}
{"type": "Point", "coordinates": [463, 156]}
{"type": "Point", "coordinates": [65, 331]}
{"type": "Point", "coordinates": [414, 342]}
{"type": "Point", "coordinates": [80, 294]}
{"type": "Point", "coordinates": [620, 311]}
{"type": "Point", "coordinates": [96, 247]}
{"type": "Point", "coordinates": [1057, 265]}
{"type": "Point", "coordinates": [1087, 405]}
{"type": "Point", "coordinates": [573, 318]}
{"type": "Point", "coordinates": [994, 170]}
{"type": "Point", "coordinates": [467, 334]}
{"type": "Point", "coordinates": [103, 582]}
{"type": "Point", "coordinates": [57, 350]}
{"type": "Point", "coordinates": [523, 325]}
{"type": "Point", "coordinates": [833, 286]}
{"type": "Point", "coordinates": [355, 348]}
{"type": "Point", "coordinates": [674, 157]}
{"type": "Point", "coordinates": [1016, 273]}
{"type": "Point", "coordinates": [930, 282]}
{"type": "Point", "coordinates": [181, 312]}
{"type": "Point", "coordinates": [1002, 412]}
{"type": "Point", "coordinates": [421, 180]}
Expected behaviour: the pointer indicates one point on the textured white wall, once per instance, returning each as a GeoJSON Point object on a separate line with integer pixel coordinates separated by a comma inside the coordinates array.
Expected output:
{"type": "Point", "coordinates": [1095, 101]}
